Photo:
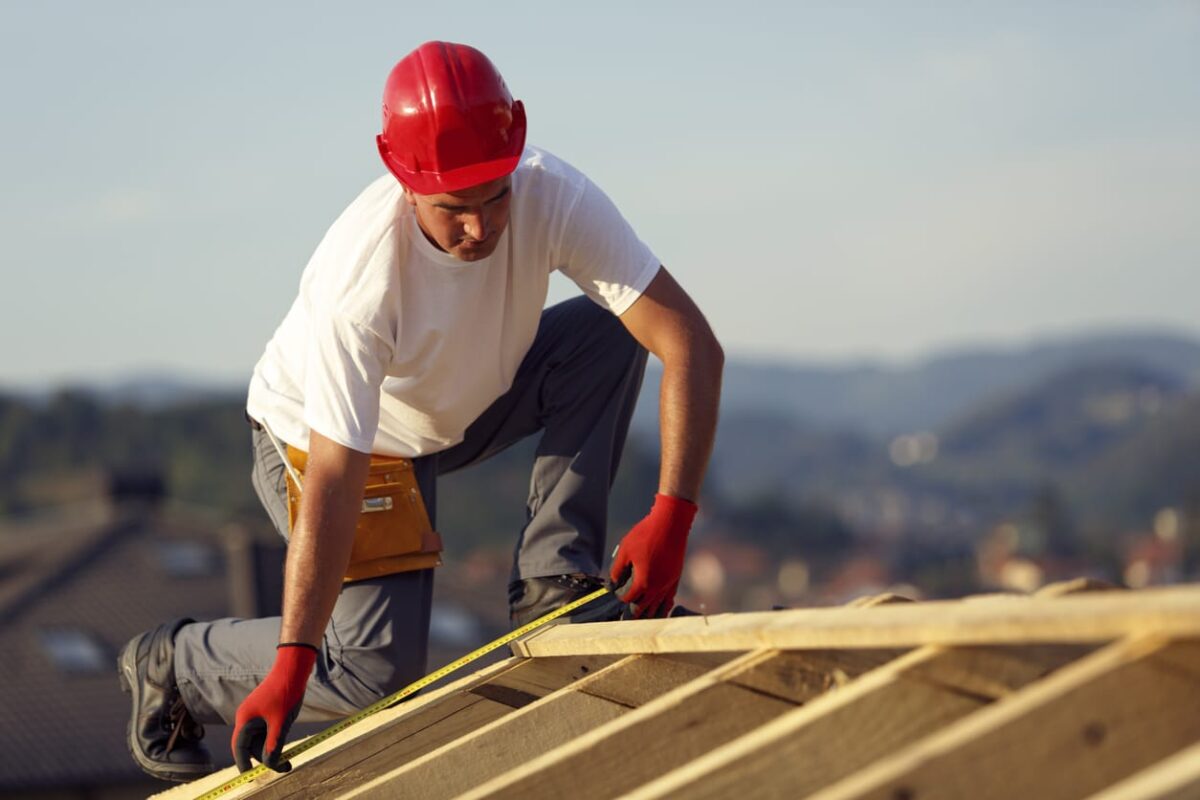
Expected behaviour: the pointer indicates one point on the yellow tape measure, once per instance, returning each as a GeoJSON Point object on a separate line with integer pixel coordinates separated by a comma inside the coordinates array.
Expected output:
{"type": "Point", "coordinates": [387, 702]}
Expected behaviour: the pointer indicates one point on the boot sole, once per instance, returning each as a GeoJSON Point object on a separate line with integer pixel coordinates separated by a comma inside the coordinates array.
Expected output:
{"type": "Point", "coordinates": [130, 685]}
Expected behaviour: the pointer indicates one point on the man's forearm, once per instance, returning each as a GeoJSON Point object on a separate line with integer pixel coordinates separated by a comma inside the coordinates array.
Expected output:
{"type": "Point", "coordinates": [320, 545]}
{"type": "Point", "coordinates": [666, 322]}
{"type": "Point", "coordinates": [688, 404]}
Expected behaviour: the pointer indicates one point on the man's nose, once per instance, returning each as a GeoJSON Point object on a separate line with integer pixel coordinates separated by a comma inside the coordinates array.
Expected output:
{"type": "Point", "coordinates": [475, 225]}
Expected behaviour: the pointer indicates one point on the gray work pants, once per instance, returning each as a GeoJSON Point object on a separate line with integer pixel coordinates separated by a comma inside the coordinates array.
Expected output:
{"type": "Point", "coordinates": [577, 385]}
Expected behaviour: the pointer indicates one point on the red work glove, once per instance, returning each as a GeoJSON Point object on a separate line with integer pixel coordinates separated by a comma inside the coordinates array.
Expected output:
{"type": "Point", "coordinates": [651, 556]}
{"type": "Point", "coordinates": [263, 718]}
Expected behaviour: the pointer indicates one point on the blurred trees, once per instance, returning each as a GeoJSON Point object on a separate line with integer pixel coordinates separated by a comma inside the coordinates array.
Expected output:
{"type": "Point", "coordinates": [1078, 464]}
{"type": "Point", "coordinates": [201, 448]}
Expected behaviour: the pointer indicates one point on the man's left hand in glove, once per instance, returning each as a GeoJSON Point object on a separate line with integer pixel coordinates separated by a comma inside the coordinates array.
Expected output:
{"type": "Point", "coordinates": [650, 557]}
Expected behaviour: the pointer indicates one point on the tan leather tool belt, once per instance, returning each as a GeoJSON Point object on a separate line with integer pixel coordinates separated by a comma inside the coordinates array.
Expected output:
{"type": "Point", "coordinates": [393, 532]}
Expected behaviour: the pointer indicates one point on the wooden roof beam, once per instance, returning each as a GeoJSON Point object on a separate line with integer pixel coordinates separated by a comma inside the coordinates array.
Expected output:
{"type": "Point", "coordinates": [411, 729]}
{"type": "Point", "coordinates": [681, 725]}
{"type": "Point", "coordinates": [475, 757]}
{"type": "Point", "coordinates": [1174, 778]}
{"type": "Point", "coordinates": [996, 619]}
{"type": "Point", "coordinates": [849, 728]}
{"type": "Point", "coordinates": [1097, 721]}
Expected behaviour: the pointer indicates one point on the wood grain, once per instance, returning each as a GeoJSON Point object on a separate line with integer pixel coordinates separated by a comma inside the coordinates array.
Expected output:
{"type": "Point", "coordinates": [1093, 723]}
{"type": "Point", "coordinates": [1087, 617]}
{"type": "Point", "coordinates": [849, 728]}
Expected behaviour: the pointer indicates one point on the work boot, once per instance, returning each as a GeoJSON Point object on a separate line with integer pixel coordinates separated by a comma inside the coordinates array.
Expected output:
{"type": "Point", "coordinates": [536, 597]}
{"type": "Point", "coordinates": [162, 737]}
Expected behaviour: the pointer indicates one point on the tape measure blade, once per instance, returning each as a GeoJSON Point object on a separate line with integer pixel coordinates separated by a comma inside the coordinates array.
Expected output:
{"type": "Point", "coordinates": [395, 699]}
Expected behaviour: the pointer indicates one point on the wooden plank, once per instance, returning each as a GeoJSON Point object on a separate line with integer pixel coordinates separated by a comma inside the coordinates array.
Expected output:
{"type": "Point", "coordinates": [362, 757]}
{"type": "Point", "coordinates": [384, 719]}
{"type": "Point", "coordinates": [1095, 722]}
{"type": "Point", "coordinates": [379, 732]}
{"type": "Point", "coordinates": [801, 675]}
{"type": "Point", "coordinates": [657, 676]}
{"type": "Point", "coordinates": [679, 726]}
{"type": "Point", "coordinates": [707, 660]}
{"type": "Point", "coordinates": [844, 730]}
{"type": "Point", "coordinates": [432, 728]}
{"type": "Point", "coordinates": [542, 676]}
{"type": "Point", "coordinates": [450, 769]}
{"type": "Point", "coordinates": [526, 733]}
{"type": "Point", "coordinates": [996, 672]}
{"type": "Point", "coordinates": [1076, 586]}
{"type": "Point", "coordinates": [1094, 617]}
{"type": "Point", "coordinates": [1173, 778]}
{"type": "Point", "coordinates": [872, 600]}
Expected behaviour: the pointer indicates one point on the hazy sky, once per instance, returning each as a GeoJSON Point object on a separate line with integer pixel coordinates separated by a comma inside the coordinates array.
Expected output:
{"type": "Point", "coordinates": [827, 180]}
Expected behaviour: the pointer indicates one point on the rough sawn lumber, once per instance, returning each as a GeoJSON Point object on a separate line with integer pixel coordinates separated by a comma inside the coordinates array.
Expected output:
{"type": "Point", "coordinates": [996, 619]}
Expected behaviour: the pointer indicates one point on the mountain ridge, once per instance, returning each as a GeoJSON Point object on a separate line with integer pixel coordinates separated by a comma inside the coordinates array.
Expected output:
{"type": "Point", "coordinates": [884, 400]}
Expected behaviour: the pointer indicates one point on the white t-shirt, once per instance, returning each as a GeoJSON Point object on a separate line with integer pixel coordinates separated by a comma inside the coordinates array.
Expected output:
{"type": "Point", "coordinates": [395, 347]}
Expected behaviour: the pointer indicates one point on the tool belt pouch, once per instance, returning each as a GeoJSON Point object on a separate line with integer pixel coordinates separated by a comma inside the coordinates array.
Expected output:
{"type": "Point", "coordinates": [393, 532]}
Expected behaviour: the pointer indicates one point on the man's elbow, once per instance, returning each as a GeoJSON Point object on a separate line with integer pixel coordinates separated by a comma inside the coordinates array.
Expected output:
{"type": "Point", "coordinates": [688, 344]}
{"type": "Point", "coordinates": [717, 355]}
{"type": "Point", "coordinates": [709, 349]}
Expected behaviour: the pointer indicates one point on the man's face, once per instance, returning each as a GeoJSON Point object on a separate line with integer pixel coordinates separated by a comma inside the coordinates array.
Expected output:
{"type": "Point", "coordinates": [466, 224]}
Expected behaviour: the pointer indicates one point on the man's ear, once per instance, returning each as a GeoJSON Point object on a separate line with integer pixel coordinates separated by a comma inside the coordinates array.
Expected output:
{"type": "Point", "coordinates": [409, 196]}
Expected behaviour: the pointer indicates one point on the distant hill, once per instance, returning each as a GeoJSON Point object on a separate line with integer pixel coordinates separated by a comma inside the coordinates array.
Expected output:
{"type": "Point", "coordinates": [757, 454]}
{"type": "Point", "coordinates": [145, 390]}
{"type": "Point", "coordinates": [1113, 441]}
{"type": "Point", "coordinates": [874, 399]}
{"type": "Point", "coordinates": [1156, 466]}
{"type": "Point", "coordinates": [883, 400]}
{"type": "Point", "coordinates": [1068, 417]}
{"type": "Point", "coordinates": [1054, 434]}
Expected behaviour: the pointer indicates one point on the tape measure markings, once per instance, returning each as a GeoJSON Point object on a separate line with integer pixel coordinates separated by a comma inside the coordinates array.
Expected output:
{"type": "Point", "coordinates": [394, 699]}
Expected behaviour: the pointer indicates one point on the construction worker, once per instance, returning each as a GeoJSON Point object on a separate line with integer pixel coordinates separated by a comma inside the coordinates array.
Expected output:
{"type": "Point", "coordinates": [418, 345]}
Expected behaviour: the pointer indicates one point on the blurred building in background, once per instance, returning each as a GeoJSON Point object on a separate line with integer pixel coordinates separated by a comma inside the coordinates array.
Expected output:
{"type": "Point", "coordinates": [75, 585]}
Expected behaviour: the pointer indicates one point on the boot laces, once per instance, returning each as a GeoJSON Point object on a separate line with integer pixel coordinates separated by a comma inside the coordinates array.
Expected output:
{"type": "Point", "coordinates": [577, 581]}
{"type": "Point", "coordinates": [183, 727]}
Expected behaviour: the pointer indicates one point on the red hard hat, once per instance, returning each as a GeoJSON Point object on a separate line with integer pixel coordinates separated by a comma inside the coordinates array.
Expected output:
{"type": "Point", "coordinates": [449, 121]}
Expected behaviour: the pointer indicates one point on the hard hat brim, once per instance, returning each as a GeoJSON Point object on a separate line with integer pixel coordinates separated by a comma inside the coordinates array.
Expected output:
{"type": "Point", "coordinates": [452, 180]}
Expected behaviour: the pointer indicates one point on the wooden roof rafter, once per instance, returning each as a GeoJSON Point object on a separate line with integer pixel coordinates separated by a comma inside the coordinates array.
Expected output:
{"type": "Point", "coordinates": [1060, 695]}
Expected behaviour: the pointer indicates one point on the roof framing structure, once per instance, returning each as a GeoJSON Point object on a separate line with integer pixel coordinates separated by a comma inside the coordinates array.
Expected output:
{"type": "Point", "coordinates": [1070, 693]}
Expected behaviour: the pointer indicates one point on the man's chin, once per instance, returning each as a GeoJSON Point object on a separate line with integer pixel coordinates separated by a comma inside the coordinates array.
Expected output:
{"type": "Point", "coordinates": [473, 253]}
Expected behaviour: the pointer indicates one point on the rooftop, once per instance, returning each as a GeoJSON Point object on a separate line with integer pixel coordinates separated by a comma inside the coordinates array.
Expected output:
{"type": "Point", "coordinates": [1069, 693]}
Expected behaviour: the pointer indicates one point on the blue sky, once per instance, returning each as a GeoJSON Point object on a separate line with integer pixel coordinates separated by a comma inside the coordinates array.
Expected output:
{"type": "Point", "coordinates": [829, 181]}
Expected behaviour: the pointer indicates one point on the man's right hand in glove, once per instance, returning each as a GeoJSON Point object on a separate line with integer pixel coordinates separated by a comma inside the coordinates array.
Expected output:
{"type": "Point", "coordinates": [263, 719]}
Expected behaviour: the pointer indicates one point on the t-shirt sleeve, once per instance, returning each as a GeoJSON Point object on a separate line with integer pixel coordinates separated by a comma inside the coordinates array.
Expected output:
{"type": "Point", "coordinates": [346, 366]}
{"type": "Point", "coordinates": [603, 255]}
